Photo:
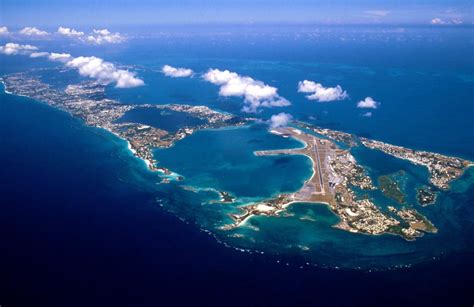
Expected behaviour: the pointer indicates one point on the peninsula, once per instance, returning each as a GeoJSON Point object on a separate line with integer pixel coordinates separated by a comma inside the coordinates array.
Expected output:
{"type": "Point", "coordinates": [335, 175]}
{"type": "Point", "coordinates": [337, 178]}
{"type": "Point", "coordinates": [443, 169]}
{"type": "Point", "coordinates": [87, 101]}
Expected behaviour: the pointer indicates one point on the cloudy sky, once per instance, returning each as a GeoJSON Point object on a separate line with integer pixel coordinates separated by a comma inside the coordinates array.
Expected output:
{"type": "Point", "coordinates": [20, 13]}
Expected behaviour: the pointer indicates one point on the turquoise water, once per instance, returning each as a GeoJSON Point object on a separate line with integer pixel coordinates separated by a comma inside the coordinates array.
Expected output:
{"type": "Point", "coordinates": [77, 206]}
{"type": "Point", "coordinates": [163, 119]}
{"type": "Point", "coordinates": [423, 79]}
{"type": "Point", "coordinates": [224, 159]}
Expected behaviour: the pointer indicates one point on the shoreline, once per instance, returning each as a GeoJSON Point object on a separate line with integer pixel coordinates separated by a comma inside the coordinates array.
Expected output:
{"type": "Point", "coordinates": [129, 145]}
{"type": "Point", "coordinates": [10, 93]}
{"type": "Point", "coordinates": [318, 188]}
{"type": "Point", "coordinates": [313, 172]}
{"type": "Point", "coordinates": [284, 207]}
{"type": "Point", "coordinates": [331, 185]}
{"type": "Point", "coordinates": [149, 164]}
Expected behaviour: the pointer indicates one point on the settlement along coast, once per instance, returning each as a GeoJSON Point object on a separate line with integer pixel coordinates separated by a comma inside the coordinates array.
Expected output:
{"type": "Point", "coordinates": [88, 102]}
{"type": "Point", "coordinates": [336, 174]}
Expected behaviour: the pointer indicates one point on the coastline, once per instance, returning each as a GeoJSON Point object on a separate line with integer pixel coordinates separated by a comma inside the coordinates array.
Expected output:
{"type": "Point", "coordinates": [10, 93]}
{"type": "Point", "coordinates": [149, 164]}
{"type": "Point", "coordinates": [316, 189]}
{"type": "Point", "coordinates": [313, 172]}
{"type": "Point", "coordinates": [331, 184]}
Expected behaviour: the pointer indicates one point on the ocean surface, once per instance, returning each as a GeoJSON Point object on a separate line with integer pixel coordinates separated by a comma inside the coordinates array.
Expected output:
{"type": "Point", "coordinates": [85, 222]}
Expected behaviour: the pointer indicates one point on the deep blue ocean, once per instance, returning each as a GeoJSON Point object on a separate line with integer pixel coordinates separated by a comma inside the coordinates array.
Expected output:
{"type": "Point", "coordinates": [83, 222]}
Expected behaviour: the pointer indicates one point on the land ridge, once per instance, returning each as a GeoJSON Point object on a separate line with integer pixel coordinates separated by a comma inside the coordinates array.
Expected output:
{"type": "Point", "coordinates": [336, 173]}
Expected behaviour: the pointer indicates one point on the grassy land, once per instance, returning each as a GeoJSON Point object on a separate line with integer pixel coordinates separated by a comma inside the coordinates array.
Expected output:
{"type": "Point", "coordinates": [391, 189]}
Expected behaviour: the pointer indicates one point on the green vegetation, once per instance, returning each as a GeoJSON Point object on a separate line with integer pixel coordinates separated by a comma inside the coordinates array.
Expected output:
{"type": "Point", "coordinates": [391, 189]}
{"type": "Point", "coordinates": [424, 224]}
{"type": "Point", "coordinates": [425, 196]}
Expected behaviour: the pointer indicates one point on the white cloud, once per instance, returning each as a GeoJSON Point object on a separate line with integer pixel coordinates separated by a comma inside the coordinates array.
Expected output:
{"type": "Point", "coordinates": [256, 93]}
{"type": "Point", "coordinates": [219, 77]}
{"type": "Point", "coordinates": [4, 31]}
{"type": "Point", "coordinates": [61, 57]}
{"type": "Point", "coordinates": [105, 36]}
{"type": "Point", "coordinates": [453, 21]}
{"type": "Point", "coordinates": [368, 114]}
{"type": "Point", "coordinates": [69, 32]}
{"type": "Point", "coordinates": [280, 120]}
{"type": "Point", "coordinates": [93, 67]}
{"type": "Point", "coordinates": [33, 31]}
{"type": "Point", "coordinates": [39, 54]}
{"type": "Point", "coordinates": [321, 93]}
{"type": "Point", "coordinates": [378, 13]}
{"type": "Point", "coordinates": [437, 21]}
{"type": "Point", "coordinates": [456, 21]}
{"type": "Point", "coordinates": [104, 72]}
{"type": "Point", "coordinates": [176, 72]}
{"type": "Point", "coordinates": [368, 103]}
{"type": "Point", "coordinates": [98, 37]}
{"type": "Point", "coordinates": [13, 49]}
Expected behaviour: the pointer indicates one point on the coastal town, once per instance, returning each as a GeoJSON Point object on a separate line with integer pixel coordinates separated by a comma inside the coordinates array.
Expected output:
{"type": "Point", "coordinates": [443, 169]}
{"type": "Point", "coordinates": [335, 174]}
{"type": "Point", "coordinates": [87, 101]}
{"type": "Point", "coordinates": [337, 179]}
{"type": "Point", "coordinates": [426, 196]}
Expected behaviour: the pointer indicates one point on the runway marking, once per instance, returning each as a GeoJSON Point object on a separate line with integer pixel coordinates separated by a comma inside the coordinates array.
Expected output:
{"type": "Point", "coordinates": [316, 152]}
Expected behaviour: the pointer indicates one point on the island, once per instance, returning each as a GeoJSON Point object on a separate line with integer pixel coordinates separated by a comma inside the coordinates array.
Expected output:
{"type": "Point", "coordinates": [226, 197]}
{"type": "Point", "coordinates": [87, 101]}
{"type": "Point", "coordinates": [426, 196]}
{"type": "Point", "coordinates": [337, 180]}
{"type": "Point", "coordinates": [391, 188]}
{"type": "Point", "coordinates": [443, 169]}
{"type": "Point", "coordinates": [335, 175]}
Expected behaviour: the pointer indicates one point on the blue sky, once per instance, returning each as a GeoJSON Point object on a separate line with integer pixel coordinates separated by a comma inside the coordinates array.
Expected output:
{"type": "Point", "coordinates": [19, 13]}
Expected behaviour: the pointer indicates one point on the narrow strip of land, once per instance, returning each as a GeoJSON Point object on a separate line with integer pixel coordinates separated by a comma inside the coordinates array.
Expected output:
{"type": "Point", "coordinates": [315, 185]}
{"type": "Point", "coordinates": [335, 173]}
